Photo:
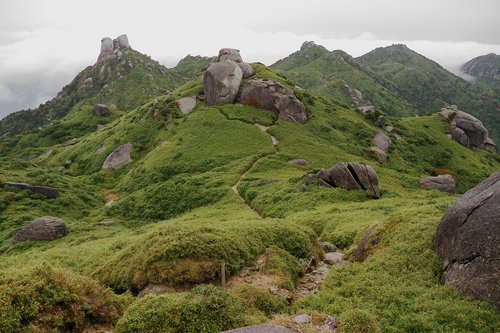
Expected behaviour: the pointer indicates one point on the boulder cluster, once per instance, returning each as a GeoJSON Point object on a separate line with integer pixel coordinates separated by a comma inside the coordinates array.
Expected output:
{"type": "Point", "coordinates": [347, 175]}
{"type": "Point", "coordinates": [112, 48]}
{"type": "Point", "coordinates": [221, 85]}
{"type": "Point", "coordinates": [467, 130]}
{"type": "Point", "coordinates": [468, 242]}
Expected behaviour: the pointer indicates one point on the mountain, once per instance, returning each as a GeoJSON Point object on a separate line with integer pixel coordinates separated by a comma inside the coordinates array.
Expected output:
{"type": "Point", "coordinates": [168, 198]}
{"type": "Point", "coordinates": [485, 69]}
{"type": "Point", "coordinates": [336, 75]}
{"type": "Point", "coordinates": [125, 81]}
{"type": "Point", "coordinates": [429, 87]}
{"type": "Point", "coordinates": [190, 65]}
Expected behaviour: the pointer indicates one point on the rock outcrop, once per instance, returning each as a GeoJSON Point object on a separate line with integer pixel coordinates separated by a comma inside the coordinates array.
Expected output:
{"type": "Point", "coordinates": [221, 82]}
{"type": "Point", "coordinates": [468, 242]}
{"type": "Point", "coordinates": [443, 183]}
{"type": "Point", "coordinates": [382, 141]}
{"type": "Point", "coordinates": [272, 96]}
{"type": "Point", "coordinates": [347, 175]}
{"type": "Point", "coordinates": [186, 104]}
{"type": "Point", "coordinates": [119, 157]}
{"type": "Point", "coordinates": [44, 228]}
{"type": "Point", "coordinates": [234, 55]}
{"type": "Point", "coordinates": [379, 154]}
{"type": "Point", "coordinates": [47, 191]}
{"type": "Point", "coordinates": [102, 110]}
{"type": "Point", "coordinates": [307, 45]}
{"type": "Point", "coordinates": [467, 130]}
{"type": "Point", "coordinates": [112, 49]}
{"type": "Point", "coordinates": [86, 86]}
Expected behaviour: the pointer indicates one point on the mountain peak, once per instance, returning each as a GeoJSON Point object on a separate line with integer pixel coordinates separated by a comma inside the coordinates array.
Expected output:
{"type": "Point", "coordinates": [112, 48]}
{"type": "Point", "coordinates": [307, 45]}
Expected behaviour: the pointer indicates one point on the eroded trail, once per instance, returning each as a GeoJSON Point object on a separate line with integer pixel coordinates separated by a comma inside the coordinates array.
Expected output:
{"type": "Point", "coordinates": [235, 187]}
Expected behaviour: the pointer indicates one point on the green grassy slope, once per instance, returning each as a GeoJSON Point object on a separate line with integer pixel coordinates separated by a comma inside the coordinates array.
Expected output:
{"type": "Point", "coordinates": [179, 216]}
{"type": "Point", "coordinates": [429, 87]}
{"type": "Point", "coordinates": [325, 73]}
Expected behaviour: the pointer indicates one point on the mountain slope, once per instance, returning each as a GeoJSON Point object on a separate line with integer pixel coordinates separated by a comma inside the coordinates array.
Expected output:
{"type": "Point", "coordinates": [327, 74]}
{"type": "Point", "coordinates": [211, 186]}
{"type": "Point", "coordinates": [429, 87]}
{"type": "Point", "coordinates": [485, 69]}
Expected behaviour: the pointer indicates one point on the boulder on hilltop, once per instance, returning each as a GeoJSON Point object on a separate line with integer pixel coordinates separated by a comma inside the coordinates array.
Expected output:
{"type": "Point", "coordinates": [221, 82]}
{"type": "Point", "coordinates": [468, 242]}
{"type": "Point", "coordinates": [112, 49]}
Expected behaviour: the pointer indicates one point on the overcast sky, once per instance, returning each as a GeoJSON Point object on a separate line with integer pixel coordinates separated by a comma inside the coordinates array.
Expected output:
{"type": "Point", "coordinates": [44, 44]}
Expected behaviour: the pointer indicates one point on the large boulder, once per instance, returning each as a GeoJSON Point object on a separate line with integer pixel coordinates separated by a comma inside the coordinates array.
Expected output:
{"type": "Point", "coordinates": [186, 104]}
{"type": "Point", "coordinates": [44, 228]}
{"type": "Point", "coordinates": [221, 82]}
{"type": "Point", "coordinates": [382, 141]}
{"type": "Point", "coordinates": [112, 49]}
{"type": "Point", "coordinates": [47, 191]}
{"type": "Point", "coordinates": [119, 157]}
{"type": "Point", "coordinates": [351, 176]}
{"type": "Point", "coordinates": [467, 129]}
{"type": "Point", "coordinates": [234, 55]}
{"type": "Point", "coordinates": [272, 96]}
{"type": "Point", "coordinates": [379, 154]}
{"type": "Point", "coordinates": [443, 183]}
{"type": "Point", "coordinates": [101, 110]}
{"type": "Point", "coordinates": [468, 242]}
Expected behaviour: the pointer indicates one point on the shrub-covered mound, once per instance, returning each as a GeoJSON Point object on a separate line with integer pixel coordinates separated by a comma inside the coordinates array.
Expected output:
{"type": "Point", "coordinates": [54, 300]}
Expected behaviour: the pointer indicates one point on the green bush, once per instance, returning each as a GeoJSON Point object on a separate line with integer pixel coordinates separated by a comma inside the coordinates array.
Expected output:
{"type": "Point", "coordinates": [205, 309]}
{"type": "Point", "coordinates": [358, 321]}
{"type": "Point", "coordinates": [53, 300]}
{"type": "Point", "coordinates": [258, 298]}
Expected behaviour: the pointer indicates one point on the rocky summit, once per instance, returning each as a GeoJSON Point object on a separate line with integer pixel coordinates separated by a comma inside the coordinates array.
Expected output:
{"type": "Point", "coordinates": [322, 194]}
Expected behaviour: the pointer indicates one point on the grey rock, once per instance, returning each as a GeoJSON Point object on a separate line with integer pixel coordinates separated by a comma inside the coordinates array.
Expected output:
{"type": "Point", "coordinates": [100, 149]}
{"type": "Point", "coordinates": [272, 96]}
{"type": "Point", "coordinates": [263, 328]}
{"type": "Point", "coordinates": [247, 69]}
{"type": "Point", "coordinates": [186, 104]}
{"type": "Point", "coordinates": [298, 161]}
{"type": "Point", "coordinates": [333, 258]}
{"type": "Point", "coordinates": [490, 146]}
{"type": "Point", "coordinates": [47, 154]}
{"type": "Point", "coordinates": [47, 191]}
{"type": "Point", "coordinates": [121, 42]}
{"type": "Point", "coordinates": [44, 228]}
{"type": "Point", "coordinates": [443, 183]}
{"type": "Point", "coordinates": [155, 289]}
{"type": "Point", "coordinates": [86, 87]}
{"type": "Point", "coordinates": [468, 242]}
{"type": "Point", "coordinates": [389, 128]}
{"type": "Point", "coordinates": [101, 110]}
{"type": "Point", "coordinates": [71, 142]}
{"type": "Point", "coordinates": [367, 178]}
{"type": "Point", "coordinates": [459, 136]}
{"type": "Point", "coordinates": [328, 247]}
{"type": "Point", "coordinates": [107, 223]}
{"type": "Point", "coordinates": [229, 54]}
{"type": "Point", "coordinates": [119, 157]}
{"type": "Point", "coordinates": [380, 121]}
{"type": "Point", "coordinates": [221, 82]}
{"type": "Point", "coordinates": [382, 141]}
{"type": "Point", "coordinates": [302, 319]}
{"type": "Point", "coordinates": [379, 154]}
{"type": "Point", "coordinates": [107, 48]}
{"type": "Point", "coordinates": [370, 239]}
{"type": "Point", "coordinates": [366, 109]}
{"type": "Point", "coordinates": [307, 45]}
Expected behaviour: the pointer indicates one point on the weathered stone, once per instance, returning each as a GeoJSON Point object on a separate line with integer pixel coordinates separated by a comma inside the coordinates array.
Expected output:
{"type": "Point", "coordinates": [443, 183]}
{"type": "Point", "coordinates": [263, 328]}
{"type": "Point", "coordinates": [186, 104]}
{"type": "Point", "coordinates": [107, 223]}
{"type": "Point", "coordinates": [155, 289]}
{"type": "Point", "coordinates": [366, 109]}
{"type": "Point", "coordinates": [468, 242]}
{"type": "Point", "coordinates": [272, 96]}
{"type": "Point", "coordinates": [366, 176]}
{"type": "Point", "coordinates": [247, 69]}
{"type": "Point", "coordinates": [333, 258]}
{"type": "Point", "coordinates": [47, 154]}
{"type": "Point", "coordinates": [459, 136]}
{"type": "Point", "coordinates": [107, 48]}
{"type": "Point", "coordinates": [121, 42]}
{"type": "Point", "coordinates": [307, 45]}
{"type": "Point", "coordinates": [298, 161]}
{"type": "Point", "coordinates": [44, 228]}
{"type": "Point", "coordinates": [389, 128]}
{"type": "Point", "coordinates": [221, 82]}
{"type": "Point", "coordinates": [382, 141]}
{"type": "Point", "coordinates": [380, 121]}
{"type": "Point", "coordinates": [119, 157]}
{"type": "Point", "coordinates": [86, 87]}
{"type": "Point", "coordinates": [229, 54]}
{"type": "Point", "coordinates": [47, 191]}
{"type": "Point", "coordinates": [302, 319]}
{"type": "Point", "coordinates": [328, 247]}
{"type": "Point", "coordinates": [370, 239]}
{"type": "Point", "coordinates": [101, 110]}
{"type": "Point", "coordinates": [379, 154]}
{"type": "Point", "coordinates": [71, 142]}
{"type": "Point", "coordinates": [339, 176]}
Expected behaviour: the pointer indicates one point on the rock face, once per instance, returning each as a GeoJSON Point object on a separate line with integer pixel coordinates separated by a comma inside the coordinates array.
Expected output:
{"type": "Point", "coordinates": [468, 242]}
{"type": "Point", "coordinates": [112, 49]}
{"type": "Point", "coordinates": [443, 183]}
{"type": "Point", "coordinates": [119, 157]}
{"type": "Point", "coordinates": [467, 130]}
{"type": "Point", "coordinates": [351, 176]}
{"type": "Point", "coordinates": [101, 110]}
{"type": "Point", "coordinates": [221, 82]}
{"type": "Point", "coordinates": [47, 191]}
{"type": "Point", "coordinates": [307, 45]}
{"type": "Point", "coordinates": [86, 87]}
{"type": "Point", "coordinates": [272, 96]}
{"type": "Point", "coordinates": [44, 228]}
{"type": "Point", "coordinates": [186, 104]}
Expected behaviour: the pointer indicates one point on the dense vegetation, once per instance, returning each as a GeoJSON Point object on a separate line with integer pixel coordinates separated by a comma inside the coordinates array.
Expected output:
{"type": "Point", "coordinates": [178, 219]}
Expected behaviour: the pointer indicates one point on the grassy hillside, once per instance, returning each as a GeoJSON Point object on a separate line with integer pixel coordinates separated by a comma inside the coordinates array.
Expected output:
{"type": "Point", "coordinates": [178, 216]}
{"type": "Point", "coordinates": [326, 73]}
{"type": "Point", "coordinates": [485, 69]}
{"type": "Point", "coordinates": [429, 87]}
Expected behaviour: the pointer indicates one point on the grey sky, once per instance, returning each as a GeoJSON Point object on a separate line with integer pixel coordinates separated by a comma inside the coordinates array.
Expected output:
{"type": "Point", "coordinates": [44, 44]}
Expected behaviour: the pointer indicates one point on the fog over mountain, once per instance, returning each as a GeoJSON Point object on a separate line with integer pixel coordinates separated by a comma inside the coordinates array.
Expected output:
{"type": "Point", "coordinates": [44, 44]}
